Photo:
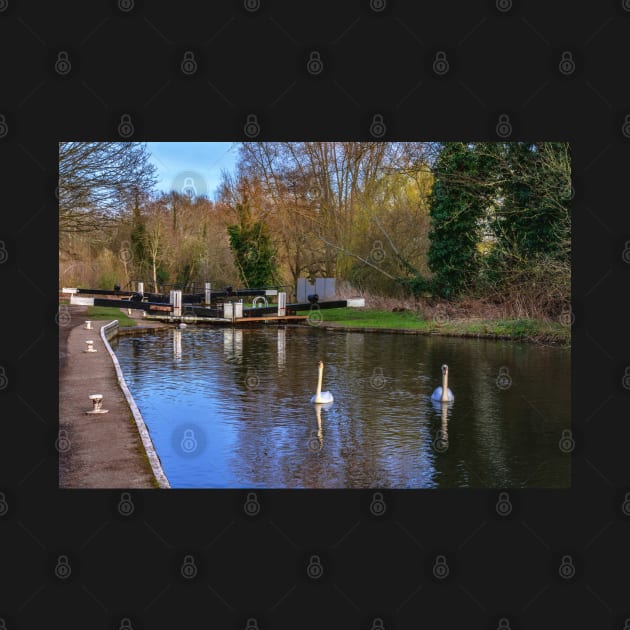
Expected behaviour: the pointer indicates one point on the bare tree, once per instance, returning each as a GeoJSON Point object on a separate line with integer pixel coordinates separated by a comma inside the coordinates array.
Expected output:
{"type": "Point", "coordinates": [97, 180]}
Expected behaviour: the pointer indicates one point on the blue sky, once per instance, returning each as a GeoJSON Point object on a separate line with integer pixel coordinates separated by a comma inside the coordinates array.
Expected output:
{"type": "Point", "coordinates": [195, 165]}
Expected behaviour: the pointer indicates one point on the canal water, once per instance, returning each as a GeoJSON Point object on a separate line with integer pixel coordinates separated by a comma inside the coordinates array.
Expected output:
{"type": "Point", "coordinates": [230, 408]}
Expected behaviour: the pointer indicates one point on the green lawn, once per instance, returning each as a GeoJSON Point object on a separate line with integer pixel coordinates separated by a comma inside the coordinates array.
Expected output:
{"type": "Point", "coordinates": [370, 318]}
{"type": "Point", "coordinates": [110, 312]}
{"type": "Point", "coordinates": [546, 331]}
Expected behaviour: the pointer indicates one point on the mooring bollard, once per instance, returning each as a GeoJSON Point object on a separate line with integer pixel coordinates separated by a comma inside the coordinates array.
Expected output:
{"type": "Point", "coordinates": [97, 403]}
{"type": "Point", "coordinates": [88, 325]}
{"type": "Point", "coordinates": [90, 346]}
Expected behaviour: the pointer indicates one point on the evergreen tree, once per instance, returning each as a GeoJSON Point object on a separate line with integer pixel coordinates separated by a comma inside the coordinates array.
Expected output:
{"type": "Point", "coordinates": [457, 208]}
{"type": "Point", "coordinates": [254, 253]}
{"type": "Point", "coordinates": [532, 220]}
{"type": "Point", "coordinates": [139, 242]}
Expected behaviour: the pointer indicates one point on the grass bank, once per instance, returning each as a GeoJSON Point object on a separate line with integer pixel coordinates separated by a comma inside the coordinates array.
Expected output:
{"type": "Point", "coordinates": [540, 331]}
{"type": "Point", "coordinates": [109, 313]}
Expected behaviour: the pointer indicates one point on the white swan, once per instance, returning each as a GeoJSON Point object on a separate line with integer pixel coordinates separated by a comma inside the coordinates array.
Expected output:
{"type": "Point", "coordinates": [443, 394]}
{"type": "Point", "coordinates": [320, 396]}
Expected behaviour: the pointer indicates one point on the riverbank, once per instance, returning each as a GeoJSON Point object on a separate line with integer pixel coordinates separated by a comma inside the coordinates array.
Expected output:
{"type": "Point", "coordinates": [96, 451]}
{"type": "Point", "coordinates": [409, 322]}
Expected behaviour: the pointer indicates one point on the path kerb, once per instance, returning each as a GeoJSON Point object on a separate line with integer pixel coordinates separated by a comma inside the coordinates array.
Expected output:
{"type": "Point", "coordinates": [108, 331]}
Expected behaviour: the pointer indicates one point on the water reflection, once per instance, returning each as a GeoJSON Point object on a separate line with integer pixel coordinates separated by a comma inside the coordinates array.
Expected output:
{"type": "Point", "coordinates": [177, 345]}
{"type": "Point", "coordinates": [244, 396]}
{"type": "Point", "coordinates": [316, 441]}
{"type": "Point", "coordinates": [282, 355]}
{"type": "Point", "coordinates": [443, 409]}
{"type": "Point", "coordinates": [233, 344]}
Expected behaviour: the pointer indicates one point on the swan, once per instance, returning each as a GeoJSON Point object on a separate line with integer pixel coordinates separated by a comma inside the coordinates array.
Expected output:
{"type": "Point", "coordinates": [443, 394]}
{"type": "Point", "coordinates": [320, 396]}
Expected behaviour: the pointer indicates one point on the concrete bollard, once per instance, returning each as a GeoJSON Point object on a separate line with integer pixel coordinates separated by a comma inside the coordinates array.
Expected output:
{"type": "Point", "coordinates": [90, 346]}
{"type": "Point", "coordinates": [88, 325]}
{"type": "Point", "coordinates": [97, 404]}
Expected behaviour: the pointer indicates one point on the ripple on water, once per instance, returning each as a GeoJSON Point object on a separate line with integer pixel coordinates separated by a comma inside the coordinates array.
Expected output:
{"type": "Point", "coordinates": [245, 395]}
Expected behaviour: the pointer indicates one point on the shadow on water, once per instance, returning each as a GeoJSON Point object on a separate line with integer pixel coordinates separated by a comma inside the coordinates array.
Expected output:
{"type": "Point", "coordinates": [230, 408]}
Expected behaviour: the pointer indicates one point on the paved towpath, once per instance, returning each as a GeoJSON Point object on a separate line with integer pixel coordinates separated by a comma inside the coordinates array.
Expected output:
{"type": "Point", "coordinates": [99, 451]}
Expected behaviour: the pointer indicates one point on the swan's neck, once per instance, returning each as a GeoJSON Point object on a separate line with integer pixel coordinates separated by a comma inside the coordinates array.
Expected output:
{"type": "Point", "coordinates": [445, 386]}
{"type": "Point", "coordinates": [319, 380]}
